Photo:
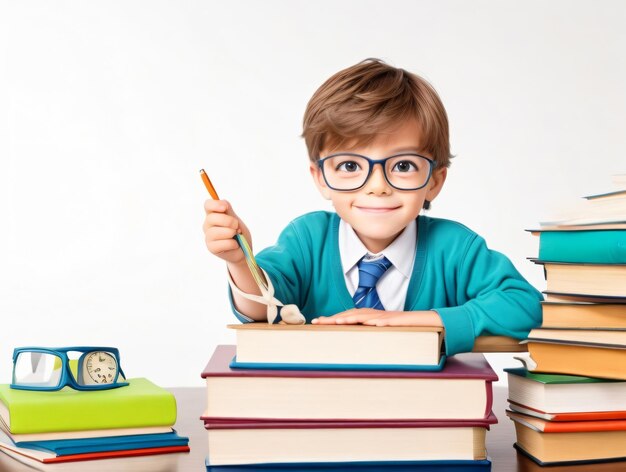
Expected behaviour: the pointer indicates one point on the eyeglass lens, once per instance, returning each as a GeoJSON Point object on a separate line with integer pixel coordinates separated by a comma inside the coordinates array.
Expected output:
{"type": "Point", "coordinates": [347, 172]}
{"type": "Point", "coordinates": [37, 369]}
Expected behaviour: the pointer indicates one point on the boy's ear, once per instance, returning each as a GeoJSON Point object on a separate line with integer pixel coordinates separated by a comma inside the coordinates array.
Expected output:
{"type": "Point", "coordinates": [318, 178]}
{"type": "Point", "coordinates": [436, 183]}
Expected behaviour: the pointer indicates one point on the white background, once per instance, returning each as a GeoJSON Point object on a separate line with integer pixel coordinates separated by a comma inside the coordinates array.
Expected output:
{"type": "Point", "coordinates": [109, 109]}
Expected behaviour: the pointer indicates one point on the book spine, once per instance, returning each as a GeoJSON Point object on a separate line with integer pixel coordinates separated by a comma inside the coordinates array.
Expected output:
{"type": "Point", "coordinates": [489, 397]}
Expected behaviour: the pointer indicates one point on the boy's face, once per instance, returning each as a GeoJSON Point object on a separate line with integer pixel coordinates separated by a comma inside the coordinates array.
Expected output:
{"type": "Point", "coordinates": [378, 212]}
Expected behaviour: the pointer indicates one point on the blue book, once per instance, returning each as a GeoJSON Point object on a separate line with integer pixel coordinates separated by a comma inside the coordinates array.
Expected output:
{"type": "Point", "coordinates": [235, 364]}
{"type": "Point", "coordinates": [65, 447]}
{"type": "Point", "coordinates": [384, 466]}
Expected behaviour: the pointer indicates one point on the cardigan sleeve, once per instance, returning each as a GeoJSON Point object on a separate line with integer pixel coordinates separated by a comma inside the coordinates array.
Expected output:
{"type": "Point", "coordinates": [492, 298]}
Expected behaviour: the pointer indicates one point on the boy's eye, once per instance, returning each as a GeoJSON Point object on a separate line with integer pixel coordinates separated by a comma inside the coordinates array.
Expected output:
{"type": "Point", "coordinates": [405, 166]}
{"type": "Point", "coordinates": [348, 166]}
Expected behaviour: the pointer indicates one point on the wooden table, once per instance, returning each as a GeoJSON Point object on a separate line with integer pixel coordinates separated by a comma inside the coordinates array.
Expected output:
{"type": "Point", "coordinates": [191, 403]}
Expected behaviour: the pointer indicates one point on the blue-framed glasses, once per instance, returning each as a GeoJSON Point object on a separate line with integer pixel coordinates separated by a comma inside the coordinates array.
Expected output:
{"type": "Point", "coordinates": [348, 171]}
{"type": "Point", "coordinates": [80, 367]}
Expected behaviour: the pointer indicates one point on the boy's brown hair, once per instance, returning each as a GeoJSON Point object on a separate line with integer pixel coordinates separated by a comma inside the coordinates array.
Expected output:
{"type": "Point", "coordinates": [371, 97]}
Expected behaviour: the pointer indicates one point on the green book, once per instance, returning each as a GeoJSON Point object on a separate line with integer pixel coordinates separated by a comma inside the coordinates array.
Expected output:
{"type": "Point", "coordinates": [140, 404]}
{"type": "Point", "coordinates": [555, 378]}
{"type": "Point", "coordinates": [595, 247]}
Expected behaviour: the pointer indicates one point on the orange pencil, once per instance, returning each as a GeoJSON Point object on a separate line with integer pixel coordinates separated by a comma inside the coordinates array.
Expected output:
{"type": "Point", "coordinates": [208, 184]}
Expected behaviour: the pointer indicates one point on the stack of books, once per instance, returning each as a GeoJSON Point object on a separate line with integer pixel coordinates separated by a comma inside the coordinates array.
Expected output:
{"type": "Point", "coordinates": [333, 397]}
{"type": "Point", "coordinates": [40, 428]}
{"type": "Point", "coordinates": [570, 407]}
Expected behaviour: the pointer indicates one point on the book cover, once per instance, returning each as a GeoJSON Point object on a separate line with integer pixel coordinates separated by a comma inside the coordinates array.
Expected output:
{"type": "Point", "coordinates": [211, 424]}
{"type": "Point", "coordinates": [461, 366]}
{"type": "Point", "coordinates": [140, 404]}
{"type": "Point", "coordinates": [579, 360]}
{"type": "Point", "coordinates": [554, 379]}
{"type": "Point", "coordinates": [235, 364]}
{"type": "Point", "coordinates": [379, 466]}
{"type": "Point", "coordinates": [65, 447]}
{"type": "Point", "coordinates": [560, 297]}
{"type": "Point", "coordinates": [599, 247]}
{"type": "Point", "coordinates": [548, 427]}
{"type": "Point", "coordinates": [163, 462]}
{"type": "Point", "coordinates": [348, 395]}
{"type": "Point", "coordinates": [94, 433]}
{"type": "Point", "coordinates": [578, 416]}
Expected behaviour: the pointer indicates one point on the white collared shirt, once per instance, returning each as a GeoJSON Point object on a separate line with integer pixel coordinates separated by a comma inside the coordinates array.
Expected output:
{"type": "Point", "coordinates": [393, 284]}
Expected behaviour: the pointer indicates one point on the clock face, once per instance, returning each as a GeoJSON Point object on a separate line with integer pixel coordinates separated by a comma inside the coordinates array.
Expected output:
{"type": "Point", "coordinates": [99, 368]}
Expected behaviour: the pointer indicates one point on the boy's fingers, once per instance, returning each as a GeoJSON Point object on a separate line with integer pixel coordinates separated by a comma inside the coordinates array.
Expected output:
{"type": "Point", "coordinates": [220, 206]}
{"type": "Point", "coordinates": [217, 233]}
{"type": "Point", "coordinates": [221, 246]}
{"type": "Point", "coordinates": [357, 318]}
{"type": "Point", "coordinates": [220, 219]}
{"type": "Point", "coordinates": [324, 320]}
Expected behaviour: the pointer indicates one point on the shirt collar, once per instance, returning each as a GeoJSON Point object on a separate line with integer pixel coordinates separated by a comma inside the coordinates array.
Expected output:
{"type": "Point", "coordinates": [401, 252]}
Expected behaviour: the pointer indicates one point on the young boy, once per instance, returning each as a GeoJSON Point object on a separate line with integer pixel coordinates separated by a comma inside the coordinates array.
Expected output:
{"type": "Point", "coordinates": [377, 139]}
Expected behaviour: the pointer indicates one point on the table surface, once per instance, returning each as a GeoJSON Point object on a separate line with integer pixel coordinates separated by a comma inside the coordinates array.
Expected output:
{"type": "Point", "coordinates": [191, 403]}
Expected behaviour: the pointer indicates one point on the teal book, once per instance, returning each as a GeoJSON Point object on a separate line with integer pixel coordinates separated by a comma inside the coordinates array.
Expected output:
{"type": "Point", "coordinates": [594, 247]}
{"type": "Point", "coordinates": [138, 405]}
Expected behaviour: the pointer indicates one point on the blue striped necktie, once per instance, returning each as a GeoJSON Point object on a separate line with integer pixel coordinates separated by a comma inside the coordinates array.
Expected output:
{"type": "Point", "coordinates": [369, 273]}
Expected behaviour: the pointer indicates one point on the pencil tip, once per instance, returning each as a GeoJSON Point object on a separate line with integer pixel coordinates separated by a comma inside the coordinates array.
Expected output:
{"type": "Point", "coordinates": [201, 171]}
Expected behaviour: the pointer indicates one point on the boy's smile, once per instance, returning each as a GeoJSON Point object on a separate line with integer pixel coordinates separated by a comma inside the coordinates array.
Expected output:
{"type": "Point", "coordinates": [378, 212]}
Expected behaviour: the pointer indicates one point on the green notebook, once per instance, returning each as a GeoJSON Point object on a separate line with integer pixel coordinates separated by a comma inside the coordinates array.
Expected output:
{"type": "Point", "coordinates": [140, 404]}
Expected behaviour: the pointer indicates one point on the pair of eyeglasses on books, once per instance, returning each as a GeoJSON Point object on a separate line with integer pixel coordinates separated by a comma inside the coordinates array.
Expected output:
{"type": "Point", "coordinates": [80, 368]}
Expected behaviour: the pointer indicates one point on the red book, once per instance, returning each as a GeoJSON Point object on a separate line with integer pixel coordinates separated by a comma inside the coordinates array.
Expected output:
{"type": "Point", "coordinates": [545, 426]}
{"type": "Point", "coordinates": [49, 458]}
{"type": "Point", "coordinates": [462, 390]}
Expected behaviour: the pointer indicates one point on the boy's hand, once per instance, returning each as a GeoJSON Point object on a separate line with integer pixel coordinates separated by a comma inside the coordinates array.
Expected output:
{"type": "Point", "coordinates": [221, 224]}
{"type": "Point", "coordinates": [370, 317]}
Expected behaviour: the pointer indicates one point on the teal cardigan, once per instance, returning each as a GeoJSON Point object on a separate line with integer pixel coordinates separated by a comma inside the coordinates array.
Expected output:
{"type": "Point", "coordinates": [475, 290]}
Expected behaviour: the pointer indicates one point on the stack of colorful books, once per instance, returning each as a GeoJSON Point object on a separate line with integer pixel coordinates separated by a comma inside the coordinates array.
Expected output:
{"type": "Point", "coordinates": [571, 407]}
{"type": "Point", "coordinates": [39, 428]}
{"type": "Point", "coordinates": [338, 397]}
